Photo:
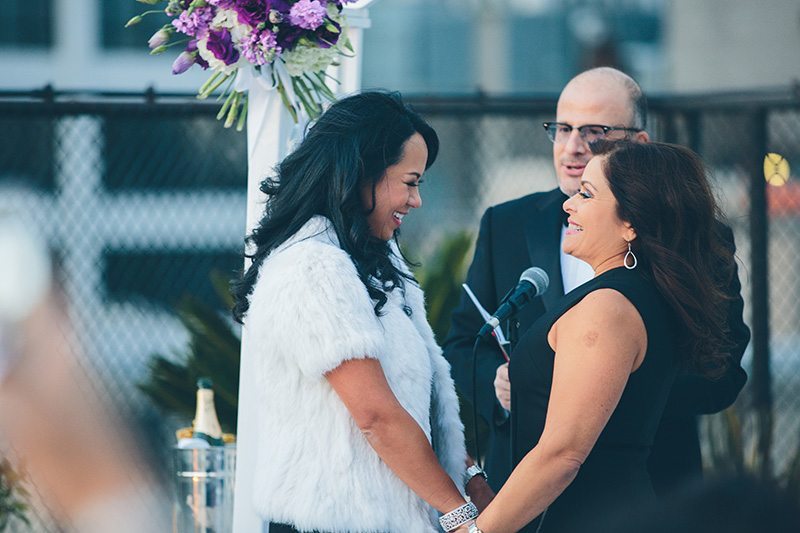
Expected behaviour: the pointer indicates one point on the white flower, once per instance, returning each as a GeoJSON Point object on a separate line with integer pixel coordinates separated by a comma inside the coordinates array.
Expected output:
{"type": "Point", "coordinates": [227, 18]}
{"type": "Point", "coordinates": [306, 58]}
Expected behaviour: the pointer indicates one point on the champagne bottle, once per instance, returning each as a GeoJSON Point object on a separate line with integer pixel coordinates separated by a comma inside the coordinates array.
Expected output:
{"type": "Point", "coordinates": [206, 424]}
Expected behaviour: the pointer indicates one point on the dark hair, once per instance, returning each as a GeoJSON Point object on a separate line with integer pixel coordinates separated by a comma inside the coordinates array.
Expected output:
{"type": "Point", "coordinates": [351, 144]}
{"type": "Point", "coordinates": [663, 192]}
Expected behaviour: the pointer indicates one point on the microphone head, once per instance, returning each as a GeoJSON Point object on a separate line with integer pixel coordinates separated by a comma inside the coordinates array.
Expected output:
{"type": "Point", "coordinates": [536, 277]}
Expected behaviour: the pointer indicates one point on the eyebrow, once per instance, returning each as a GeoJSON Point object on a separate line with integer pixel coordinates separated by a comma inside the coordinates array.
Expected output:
{"type": "Point", "coordinates": [417, 174]}
{"type": "Point", "coordinates": [589, 183]}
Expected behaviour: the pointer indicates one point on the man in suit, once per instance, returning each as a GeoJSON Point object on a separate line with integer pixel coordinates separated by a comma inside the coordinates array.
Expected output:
{"type": "Point", "coordinates": [601, 103]}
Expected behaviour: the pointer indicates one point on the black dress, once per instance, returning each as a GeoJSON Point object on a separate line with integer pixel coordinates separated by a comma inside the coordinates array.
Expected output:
{"type": "Point", "coordinates": [615, 473]}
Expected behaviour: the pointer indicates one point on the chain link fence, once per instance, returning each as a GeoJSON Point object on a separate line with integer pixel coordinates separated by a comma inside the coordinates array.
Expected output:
{"type": "Point", "coordinates": [141, 198]}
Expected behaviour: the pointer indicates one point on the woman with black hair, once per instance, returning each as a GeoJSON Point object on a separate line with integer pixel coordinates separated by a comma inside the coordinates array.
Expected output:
{"type": "Point", "coordinates": [358, 420]}
{"type": "Point", "coordinates": [590, 378]}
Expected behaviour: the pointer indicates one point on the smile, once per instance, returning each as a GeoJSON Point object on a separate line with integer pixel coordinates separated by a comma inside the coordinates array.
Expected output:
{"type": "Point", "coordinates": [573, 228]}
{"type": "Point", "coordinates": [398, 217]}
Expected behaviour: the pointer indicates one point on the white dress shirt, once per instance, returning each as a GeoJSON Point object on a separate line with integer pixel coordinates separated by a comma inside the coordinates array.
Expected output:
{"type": "Point", "coordinates": [574, 271]}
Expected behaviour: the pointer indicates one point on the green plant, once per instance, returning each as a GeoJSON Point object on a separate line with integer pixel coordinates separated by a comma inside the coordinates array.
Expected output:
{"type": "Point", "coordinates": [441, 277]}
{"type": "Point", "coordinates": [732, 449]}
{"type": "Point", "coordinates": [213, 351]}
{"type": "Point", "coordinates": [12, 496]}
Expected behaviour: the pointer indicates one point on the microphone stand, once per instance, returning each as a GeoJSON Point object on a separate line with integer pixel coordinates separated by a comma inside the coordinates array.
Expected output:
{"type": "Point", "coordinates": [512, 327]}
{"type": "Point", "coordinates": [513, 337]}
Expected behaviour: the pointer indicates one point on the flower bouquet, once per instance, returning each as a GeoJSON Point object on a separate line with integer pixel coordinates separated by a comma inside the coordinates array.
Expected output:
{"type": "Point", "coordinates": [285, 45]}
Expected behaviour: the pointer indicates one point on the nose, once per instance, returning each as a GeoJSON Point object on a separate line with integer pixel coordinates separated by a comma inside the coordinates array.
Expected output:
{"type": "Point", "coordinates": [575, 143]}
{"type": "Point", "coordinates": [415, 198]}
{"type": "Point", "coordinates": [568, 206]}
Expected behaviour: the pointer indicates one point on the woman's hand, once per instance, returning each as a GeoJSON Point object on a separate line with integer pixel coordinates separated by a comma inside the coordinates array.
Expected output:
{"type": "Point", "coordinates": [480, 492]}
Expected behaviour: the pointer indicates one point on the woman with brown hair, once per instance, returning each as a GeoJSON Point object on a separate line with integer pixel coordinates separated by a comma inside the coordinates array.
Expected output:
{"type": "Point", "coordinates": [590, 379]}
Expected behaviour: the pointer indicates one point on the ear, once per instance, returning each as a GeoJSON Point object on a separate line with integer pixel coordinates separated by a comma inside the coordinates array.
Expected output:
{"type": "Point", "coordinates": [628, 233]}
{"type": "Point", "coordinates": [641, 137]}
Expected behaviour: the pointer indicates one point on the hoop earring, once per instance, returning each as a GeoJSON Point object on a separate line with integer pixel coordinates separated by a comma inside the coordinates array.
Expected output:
{"type": "Point", "coordinates": [632, 256]}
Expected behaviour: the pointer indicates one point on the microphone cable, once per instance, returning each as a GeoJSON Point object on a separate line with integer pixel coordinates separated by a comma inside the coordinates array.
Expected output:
{"type": "Point", "coordinates": [478, 458]}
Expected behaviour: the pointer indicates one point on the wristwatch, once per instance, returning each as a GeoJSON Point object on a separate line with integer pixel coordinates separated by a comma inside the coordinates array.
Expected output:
{"type": "Point", "coordinates": [473, 528]}
{"type": "Point", "coordinates": [473, 471]}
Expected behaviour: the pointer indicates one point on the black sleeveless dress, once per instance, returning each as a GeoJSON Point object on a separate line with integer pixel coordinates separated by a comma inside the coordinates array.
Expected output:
{"type": "Point", "coordinates": [615, 473]}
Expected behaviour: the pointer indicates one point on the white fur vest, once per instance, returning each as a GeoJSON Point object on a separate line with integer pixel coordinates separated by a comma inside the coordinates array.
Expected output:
{"type": "Point", "coordinates": [309, 312]}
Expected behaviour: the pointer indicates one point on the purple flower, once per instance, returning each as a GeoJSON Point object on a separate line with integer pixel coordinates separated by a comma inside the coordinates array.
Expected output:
{"type": "Point", "coordinates": [252, 12]}
{"type": "Point", "coordinates": [187, 58]}
{"type": "Point", "coordinates": [221, 45]}
{"type": "Point", "coordinates": [255, 12]}
{"type": "Point", "coordinates": [159, 38]}
{"type": "Point", "coordinates": [191, 46]}
{"type": "Point", "coordinates": [288, 36]}
{"type": "Point", "coordinates": [307, 14]}
{"type": "Point", "coordinates": [196, 23]}
{"type": "Point", "coordinates": [325, 37]}
{"type": "Point", "coordinates": [260, 49]}
{"type": "Point", "coordinates": [183, 62]}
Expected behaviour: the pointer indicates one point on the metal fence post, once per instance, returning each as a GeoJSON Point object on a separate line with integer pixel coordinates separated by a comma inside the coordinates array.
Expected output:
{"type": "Point", "coordinates": [759, 262]}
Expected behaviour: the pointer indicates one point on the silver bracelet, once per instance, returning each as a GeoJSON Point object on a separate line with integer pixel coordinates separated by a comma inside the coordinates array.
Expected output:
{"type": "Point", "coordinates": [458, 516]}
{"type": "Point", "coordinates": [472, 471]}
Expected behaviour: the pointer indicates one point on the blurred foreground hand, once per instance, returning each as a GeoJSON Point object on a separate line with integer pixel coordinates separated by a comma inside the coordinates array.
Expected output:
{"type": "Point", "coordinates": [78, 454]}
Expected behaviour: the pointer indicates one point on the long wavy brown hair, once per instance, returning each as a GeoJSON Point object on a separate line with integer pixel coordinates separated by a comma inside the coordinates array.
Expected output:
{"type": "Point", "coordinates": [663, 191]}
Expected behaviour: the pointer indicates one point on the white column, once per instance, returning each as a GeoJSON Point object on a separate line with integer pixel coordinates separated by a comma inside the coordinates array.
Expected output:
{"type": "Point", "coordinates": [269, 129]}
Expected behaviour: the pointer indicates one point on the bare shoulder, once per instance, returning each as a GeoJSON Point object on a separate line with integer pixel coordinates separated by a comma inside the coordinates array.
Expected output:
{"type": "Point", "coordinates": [606, 310]}
{"type": "Point", "coordinates": [604, 305]}
{"type": "Point", "coordinates": [604, 322]}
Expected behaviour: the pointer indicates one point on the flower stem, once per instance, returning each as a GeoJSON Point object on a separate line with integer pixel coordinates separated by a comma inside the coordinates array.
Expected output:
{"type": "Point", "coordinates": [285, 100]}
{"type": "Point", "coordinates": [224, 109]}
{"type": "Point", "coordinates": [210, 89]}
{"type": "Point", "coordinates": [243, 114]}
{"type": "Point", "coordinates": [234, 109]}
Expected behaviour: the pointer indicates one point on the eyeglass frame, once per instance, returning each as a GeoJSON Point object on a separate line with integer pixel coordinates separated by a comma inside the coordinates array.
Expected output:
{"type": "Point", "coordinates": [606, 130]}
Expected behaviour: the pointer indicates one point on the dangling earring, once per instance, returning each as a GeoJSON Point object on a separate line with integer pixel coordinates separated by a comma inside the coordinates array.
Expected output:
{"type": "Point", "coordinates": [632, 256]}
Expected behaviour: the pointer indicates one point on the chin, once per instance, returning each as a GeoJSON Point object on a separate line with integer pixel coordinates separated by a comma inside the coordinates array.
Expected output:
{"type": "Point", "coordinates": [568, 187]}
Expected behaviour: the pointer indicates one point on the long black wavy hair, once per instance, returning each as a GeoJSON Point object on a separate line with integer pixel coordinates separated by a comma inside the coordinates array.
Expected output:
{"type": "Point", "coordinates": [663, 191]}
{"type": "Point", "coordinates": [350, 145]}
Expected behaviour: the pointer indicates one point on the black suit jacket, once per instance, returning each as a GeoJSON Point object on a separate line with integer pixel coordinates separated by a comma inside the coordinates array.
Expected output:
{"type": "Point", "coordinates": [527, 232]}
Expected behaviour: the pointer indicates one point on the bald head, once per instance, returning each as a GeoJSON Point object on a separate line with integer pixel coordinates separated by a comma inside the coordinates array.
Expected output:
{"type": "Point", "coordinates": [605, 79]}
{"type": "Point", "coordinates": [598, 97]}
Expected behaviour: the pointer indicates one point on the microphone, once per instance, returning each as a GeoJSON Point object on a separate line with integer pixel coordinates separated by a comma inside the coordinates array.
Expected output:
{"type": "Point", "coordinates": [533, 282]}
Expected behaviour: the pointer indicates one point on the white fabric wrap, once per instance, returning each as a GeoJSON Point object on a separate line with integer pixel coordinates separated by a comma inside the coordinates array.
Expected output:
{"type": "Point", "coordinates": [309, 312]}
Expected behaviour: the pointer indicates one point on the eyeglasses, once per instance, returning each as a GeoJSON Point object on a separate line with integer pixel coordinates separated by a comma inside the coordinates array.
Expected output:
{"type": "Point", "coordinates": [559, 132]}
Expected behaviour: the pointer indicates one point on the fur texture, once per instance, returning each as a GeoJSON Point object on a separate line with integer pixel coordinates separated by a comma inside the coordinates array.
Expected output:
{"type": "Point", "coordinates": [308, 313]}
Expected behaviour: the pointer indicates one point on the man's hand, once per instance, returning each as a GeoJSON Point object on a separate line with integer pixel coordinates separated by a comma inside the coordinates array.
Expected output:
{"type": "Point", "coordinates": [479, 492]}
{"type": "Point", "coordinates": [502, 386]}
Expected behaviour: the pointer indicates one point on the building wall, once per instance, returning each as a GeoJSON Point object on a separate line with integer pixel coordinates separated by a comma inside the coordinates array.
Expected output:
{"type": "Point", "coordinates": [732, 44]}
